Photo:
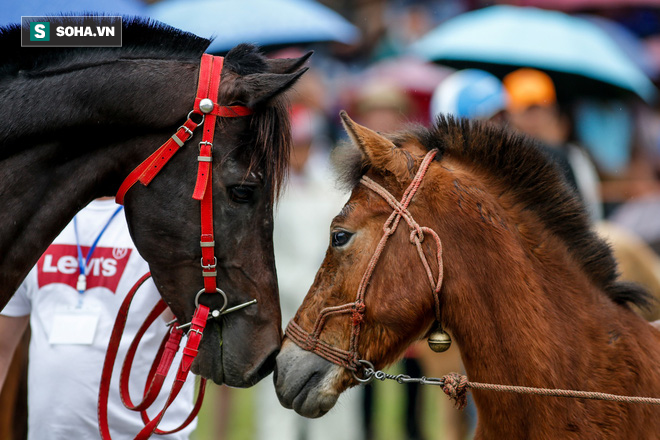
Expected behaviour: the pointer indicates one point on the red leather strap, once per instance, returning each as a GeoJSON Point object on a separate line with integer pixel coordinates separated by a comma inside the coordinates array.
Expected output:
{"type": "Point", "coordinates": [111, 356]}
{"type": "Point", "coordinates": [166, 354]}
{"type": "Point", "coordinates": [189, 419]}
{"type": "Point", "coordinates": [194, 338]}
{"type": "Point", "coordinates": [189, 352]}
{"type": "Point", "coordinates": [204, 80]}
{"type": "Point", "coordinates": [226, 111]}
{"type": "Point", "coordinates": [207, 88]}
{"type": "Point", "coordinates": [147, 170]}
{"type": "Point", "coordinates": [173, 144]}
{"type": "Point", "coordinates": [203, 169]}
{"type": "Point", "coordinates": [204, 185]}
{"type": "Point", "coordinates": [156, 375]}
{"type": "Point", "coordinates": [205, 155]}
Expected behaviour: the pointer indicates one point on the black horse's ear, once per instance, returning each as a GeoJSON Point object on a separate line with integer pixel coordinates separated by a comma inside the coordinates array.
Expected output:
{"type": "Point", "coordinates": [287, 65]}
{"type": "Point", "coordinates": [263, 86]}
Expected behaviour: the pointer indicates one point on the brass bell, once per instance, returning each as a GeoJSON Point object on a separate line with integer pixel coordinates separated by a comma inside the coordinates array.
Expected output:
{"type": "Point", "coordinates": [439, 340]}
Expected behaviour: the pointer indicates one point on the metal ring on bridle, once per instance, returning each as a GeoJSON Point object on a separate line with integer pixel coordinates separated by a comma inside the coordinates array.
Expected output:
{"type": "Point", "coordinates": [224, 297]}
{"type": "Point", "coordinates": [198, 123]}
{"type": "Point", "coordinates": [367, 366]}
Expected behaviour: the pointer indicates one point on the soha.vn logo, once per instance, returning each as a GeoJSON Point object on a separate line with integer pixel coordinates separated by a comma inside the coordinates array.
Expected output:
{"type": "Point", "coordinates": [39, 31]}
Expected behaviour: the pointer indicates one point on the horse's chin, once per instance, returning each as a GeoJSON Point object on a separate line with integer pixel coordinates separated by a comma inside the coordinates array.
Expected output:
{"type": "Point", "coordinates": [306, 382]}
{"type": "Point", "coordinates": [208, 362]}
{"type": "Point", "coordinates": [226, 359]}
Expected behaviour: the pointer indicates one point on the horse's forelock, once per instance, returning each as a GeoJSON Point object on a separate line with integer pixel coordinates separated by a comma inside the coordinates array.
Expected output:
{"type": "Point", "coordinates": [273, 143]}
{"type": "Point", "coordinates": [246, 59]}
{"type": "Point", "coordinates": [270, 145]}
{"type": "Point", "coordinates": [349, 165]}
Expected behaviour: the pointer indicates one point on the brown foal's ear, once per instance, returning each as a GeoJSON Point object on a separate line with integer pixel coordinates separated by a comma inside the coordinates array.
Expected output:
{"type": "Point", "coordinates": [263, 86]}
{"type": "Point", "coordinates": [381, 153]}
{"type": "Point", "coordinates": [287, 65]}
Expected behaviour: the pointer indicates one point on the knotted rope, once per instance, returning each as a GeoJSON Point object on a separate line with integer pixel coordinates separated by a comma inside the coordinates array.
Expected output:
{"type": "Point", "coordinates": [456, 385]}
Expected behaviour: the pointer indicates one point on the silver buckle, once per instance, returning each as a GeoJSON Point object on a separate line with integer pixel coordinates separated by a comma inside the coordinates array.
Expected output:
{"type": "Point", "coordinates": [190, 133]}
{"type": "Point", "coordinates": [210, 266]}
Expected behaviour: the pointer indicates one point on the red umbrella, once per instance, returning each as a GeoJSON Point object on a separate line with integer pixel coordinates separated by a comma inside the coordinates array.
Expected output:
{"type": "Point", "coordinates": [416, 77]}
{"type": "Point", "coordinates": [409, 73]}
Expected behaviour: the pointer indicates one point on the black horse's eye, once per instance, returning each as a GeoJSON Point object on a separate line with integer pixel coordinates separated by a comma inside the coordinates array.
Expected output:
{"type": "Point", "coordinates": [340, 238]}
{"type": "Point", "coordinates": [241, 194]}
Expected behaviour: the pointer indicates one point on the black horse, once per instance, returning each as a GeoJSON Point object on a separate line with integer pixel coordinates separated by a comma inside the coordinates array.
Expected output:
{"type": "Point", "coordinates": [76, 121]}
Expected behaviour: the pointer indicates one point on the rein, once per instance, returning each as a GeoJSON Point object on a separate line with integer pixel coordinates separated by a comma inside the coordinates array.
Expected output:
{"type": "Point", "coordinates": [456, 385]}
{"type": "Point", "coordinates": [350, 359]}
{"type": "Point", "coordinates": [206, 106]}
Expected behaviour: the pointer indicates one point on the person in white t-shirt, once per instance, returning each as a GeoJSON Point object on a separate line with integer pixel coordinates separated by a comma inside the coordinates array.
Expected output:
{"type": "Point", "coordinates": [70, 299]}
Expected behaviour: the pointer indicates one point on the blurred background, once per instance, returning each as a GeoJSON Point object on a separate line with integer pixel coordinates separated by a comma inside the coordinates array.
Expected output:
{"type": "Point", "coordinates": [580, 76]}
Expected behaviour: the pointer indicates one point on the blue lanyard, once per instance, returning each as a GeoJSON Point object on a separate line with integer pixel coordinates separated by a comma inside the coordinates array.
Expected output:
{"type": "Point", "coordinates": [83, 262]}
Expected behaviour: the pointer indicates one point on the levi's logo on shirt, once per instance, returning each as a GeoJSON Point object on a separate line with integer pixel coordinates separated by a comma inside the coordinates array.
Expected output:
{"type": "Point", "coordinates": [59, 264]}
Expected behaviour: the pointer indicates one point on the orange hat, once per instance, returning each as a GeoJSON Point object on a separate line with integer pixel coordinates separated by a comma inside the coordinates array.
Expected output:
{"type": "Point", "coordinates": [529, 87]}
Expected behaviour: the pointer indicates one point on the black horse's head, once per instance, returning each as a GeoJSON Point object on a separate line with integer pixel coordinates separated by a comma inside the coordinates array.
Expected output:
{"type": "Point", "coordinates": [250, 159]}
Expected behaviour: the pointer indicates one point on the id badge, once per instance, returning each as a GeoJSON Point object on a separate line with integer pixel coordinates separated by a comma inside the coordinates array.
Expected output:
{"type": "Point", "coordinates": [74, 326]}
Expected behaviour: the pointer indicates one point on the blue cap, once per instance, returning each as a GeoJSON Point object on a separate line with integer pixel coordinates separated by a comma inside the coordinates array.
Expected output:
{"type": "Point", "coordinates": [469, 93]}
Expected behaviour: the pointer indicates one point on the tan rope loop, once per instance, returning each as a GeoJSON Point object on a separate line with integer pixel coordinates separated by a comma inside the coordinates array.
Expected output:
{"type": "Point", "coordinates": [416, 235]}
{"type": "Point", "coordinates": [455, 386]}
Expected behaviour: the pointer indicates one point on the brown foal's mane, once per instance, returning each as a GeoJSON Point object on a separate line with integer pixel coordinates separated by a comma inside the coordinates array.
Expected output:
{"type": "Point", "coordinates": [532, 178]}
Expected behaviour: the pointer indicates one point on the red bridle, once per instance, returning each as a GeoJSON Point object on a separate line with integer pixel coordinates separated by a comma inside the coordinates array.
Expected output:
{"type": "Point", "coordinates": [205, 105]}
{"type": "Point", "coordinates": [350, 359]}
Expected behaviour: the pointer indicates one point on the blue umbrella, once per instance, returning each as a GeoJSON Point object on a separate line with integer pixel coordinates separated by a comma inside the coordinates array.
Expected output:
{"type": "Point", "coordinates": [628, 42]}
{"type": "Point", "coordinates": [502, 38]}
{"type": "Point", "coordinates": [11, 11]}
{"type": "Point", "coordinates": [264, 22]}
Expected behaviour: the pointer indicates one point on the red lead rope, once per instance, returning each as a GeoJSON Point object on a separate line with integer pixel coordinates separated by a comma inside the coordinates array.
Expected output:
{"type": "Point", "coordinates": [156, 377]}
{"type": "Point", "coordinates": [206, 105]}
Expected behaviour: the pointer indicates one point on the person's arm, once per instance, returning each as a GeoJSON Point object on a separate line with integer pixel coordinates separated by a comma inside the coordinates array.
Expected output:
{"type": "Point", "coordinates": [11, 331]}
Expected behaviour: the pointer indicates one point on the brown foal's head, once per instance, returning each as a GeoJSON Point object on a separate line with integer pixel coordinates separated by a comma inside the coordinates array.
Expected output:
{"type": "Point", "coordinates": [398, 302]}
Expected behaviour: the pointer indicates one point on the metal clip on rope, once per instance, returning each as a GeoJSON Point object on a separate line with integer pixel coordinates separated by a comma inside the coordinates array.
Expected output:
{"type": "Point", "coordinates": [370, 373]}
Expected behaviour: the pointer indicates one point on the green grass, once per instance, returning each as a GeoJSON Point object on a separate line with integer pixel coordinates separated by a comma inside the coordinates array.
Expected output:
{"type": "Point", "coordinates": [239, 424]}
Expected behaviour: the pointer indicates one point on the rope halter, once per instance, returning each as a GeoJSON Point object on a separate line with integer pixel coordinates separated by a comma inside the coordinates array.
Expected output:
{"type": "Point", "coordinates": [350, 359]}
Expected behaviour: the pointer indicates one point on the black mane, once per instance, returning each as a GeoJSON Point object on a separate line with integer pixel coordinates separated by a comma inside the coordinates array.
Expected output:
{"type": "Point", "coordinates": [141, 38]}
{"type": "Point", "coordinates": [148, 39]}
{"type": "Point", "coordinates": [534, 180]}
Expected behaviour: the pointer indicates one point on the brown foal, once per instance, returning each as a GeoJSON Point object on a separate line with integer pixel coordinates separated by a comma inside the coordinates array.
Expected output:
{"type": "Point", "coordinates": [530, 294]}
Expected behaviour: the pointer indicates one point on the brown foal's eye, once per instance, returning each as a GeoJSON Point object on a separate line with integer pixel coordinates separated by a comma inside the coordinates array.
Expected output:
{"type": "Point", "coordinates": [340, 238]}
{"type": "Point", "coordinates": [241, 194]}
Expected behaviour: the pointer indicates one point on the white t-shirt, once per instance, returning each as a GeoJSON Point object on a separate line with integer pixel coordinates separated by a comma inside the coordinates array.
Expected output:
{"type": "Point", "coordinates": [307, 207]}
{"type": "Point", "coordinates": [64, 378]}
